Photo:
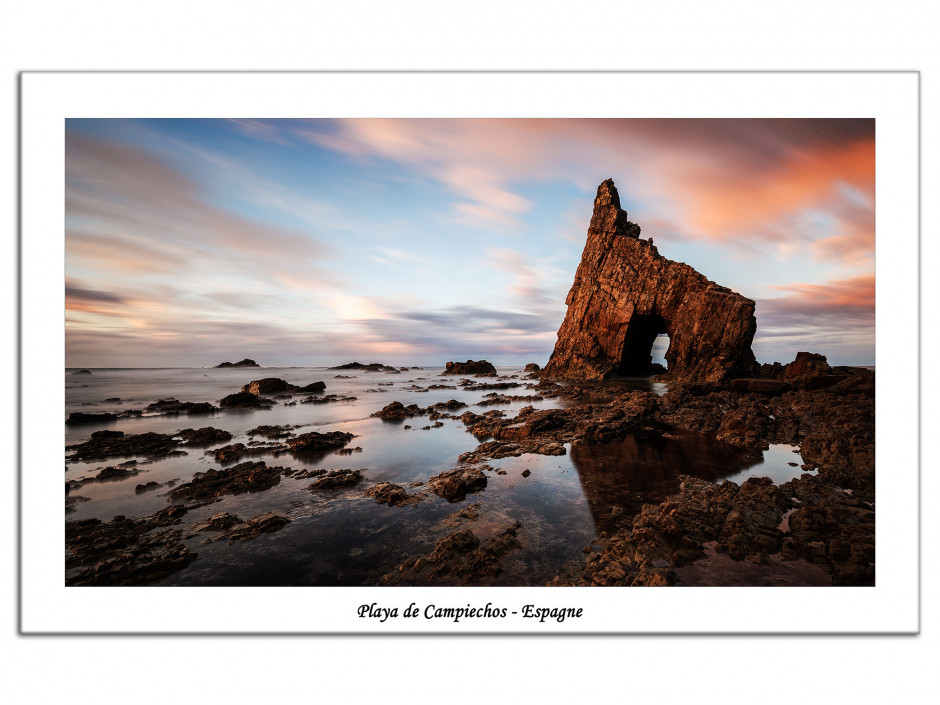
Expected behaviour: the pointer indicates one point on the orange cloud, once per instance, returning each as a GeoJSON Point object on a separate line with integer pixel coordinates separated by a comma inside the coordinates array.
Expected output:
{"type": "Point", "coordinates": [712, 179]}
{"type": "Point", "coordinates": [725, 203]}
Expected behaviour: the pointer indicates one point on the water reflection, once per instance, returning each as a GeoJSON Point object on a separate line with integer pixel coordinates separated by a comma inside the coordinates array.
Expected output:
{"type": "Point", "coordinates": [618, 478]}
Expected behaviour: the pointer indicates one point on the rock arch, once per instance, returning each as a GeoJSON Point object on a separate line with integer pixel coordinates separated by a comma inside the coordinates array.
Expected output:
{"type": "Point", "coordinates": [625, 294]}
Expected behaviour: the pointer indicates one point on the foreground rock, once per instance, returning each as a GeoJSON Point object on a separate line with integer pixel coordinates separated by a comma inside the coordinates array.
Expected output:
{"type": "Point", "coordinates": [80, 417]}
{"type": "Point", "coordinates": [454, 485]}
{"type": "Point", "coordinates": [170, 407]}
{"type": "Point", "coordinates": [269, 431]}
{"type": "Point", "coordinates": [315, 442]}
{"type": "Point", "coordinates": [125, 551]}
{"type": "Point", "coordinates": [665, 543]}
{"type": "Point", "coordinates": [203, 436]}
{"type": "Point", "coordinates": [336, 479]}
{"type": "Point", "coordinates": [217, 522]}
{"type": "Point", "coordinates": [115, 444]}
{"type": "Point", "coordinates": [458, 559]}
{"type": "Point", "coordinates": [396, 411]}
{"type": "Point", "coordinates": [236, 451]}
{"type": "Point", "coordinates": [238, 531]}
{"type": "Point", "coordinates": [244, 477]}
{"type": "Point", "coordinates": [391, 494]}
{"type": "Point", "coordinates": [470, 367]}
{"type": "Point", "coordinates": [245, 400]}
{"type": "Point", "coordinates": [625, 294]}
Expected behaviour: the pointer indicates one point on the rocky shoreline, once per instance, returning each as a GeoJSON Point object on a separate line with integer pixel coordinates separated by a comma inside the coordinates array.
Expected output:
{"type": "Point", "coordinates": [813, 530]}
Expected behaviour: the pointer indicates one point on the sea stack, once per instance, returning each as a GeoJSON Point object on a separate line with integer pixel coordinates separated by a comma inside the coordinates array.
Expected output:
{"type": "Point", "coordinates": [625, 294]}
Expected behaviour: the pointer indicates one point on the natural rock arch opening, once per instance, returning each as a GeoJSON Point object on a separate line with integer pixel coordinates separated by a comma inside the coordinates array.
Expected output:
{"type": "Point", "coordinates": [625, 294]}
{"type": "Point", "coordinates": [636, 359]}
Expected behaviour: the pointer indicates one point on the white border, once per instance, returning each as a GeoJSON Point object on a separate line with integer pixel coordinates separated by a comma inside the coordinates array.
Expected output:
{"type": "Point", "coordinates": [47, 99]}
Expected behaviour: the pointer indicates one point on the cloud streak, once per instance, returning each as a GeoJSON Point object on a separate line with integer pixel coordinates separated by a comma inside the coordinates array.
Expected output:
{"type": "Point", "coordinates": [720, 180]}
{"type": "Point", "coordinates": [189, 245]}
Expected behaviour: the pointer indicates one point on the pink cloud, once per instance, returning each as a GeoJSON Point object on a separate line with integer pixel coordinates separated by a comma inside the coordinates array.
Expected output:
{"type": "Point", "coordinates": [719, 180]}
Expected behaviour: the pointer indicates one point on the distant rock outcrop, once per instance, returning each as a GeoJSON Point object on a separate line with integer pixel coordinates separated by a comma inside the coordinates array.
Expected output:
{"type": "Point", "coordinates": [371, 367]}
{"type": "Point", "coordinates": [470, 367]}
{"type": "Point", "coordinates": [241, 363]}
{"type": "Point", "coordinates": [625, 294]}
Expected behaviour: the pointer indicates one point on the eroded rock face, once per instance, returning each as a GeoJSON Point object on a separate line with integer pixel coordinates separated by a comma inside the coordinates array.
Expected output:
{"type": "Point", "coordinates": [625, 294]}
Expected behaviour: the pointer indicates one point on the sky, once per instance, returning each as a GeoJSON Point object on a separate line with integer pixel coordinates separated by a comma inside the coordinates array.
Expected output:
{"type": "Point", "coordinates": [415, 242]}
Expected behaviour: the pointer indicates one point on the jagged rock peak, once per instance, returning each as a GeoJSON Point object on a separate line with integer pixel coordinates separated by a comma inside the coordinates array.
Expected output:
{"type": "Point", "coordinates": [625, 294]}
{"type": "Point", "coordinates": [607, 194]}
{"type": "Point", "coordinates": [609, 219]}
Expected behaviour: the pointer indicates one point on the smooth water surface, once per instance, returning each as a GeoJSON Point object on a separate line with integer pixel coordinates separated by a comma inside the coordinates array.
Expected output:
{"type": "Point", "coordinates": [342, 537]}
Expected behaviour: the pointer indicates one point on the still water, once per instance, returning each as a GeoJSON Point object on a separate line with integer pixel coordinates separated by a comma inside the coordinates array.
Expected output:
{"type": "Point", "coordinates": [342, 537]}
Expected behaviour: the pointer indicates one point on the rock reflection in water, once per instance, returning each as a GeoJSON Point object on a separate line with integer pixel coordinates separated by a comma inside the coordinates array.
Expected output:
{"type": "Point", "coordinates": [619, 477]}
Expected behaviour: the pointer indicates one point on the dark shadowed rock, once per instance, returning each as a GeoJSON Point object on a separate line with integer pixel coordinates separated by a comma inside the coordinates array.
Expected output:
{"type": "Point", "coordinates": [115, 473]}
{"type": "Point", "coordinates": [758, 385]}
{"type": "Point", "coordinates": [454, 485]}
{"type": "Point", "coordinates": [458, 559]}
{"type": "Point", "coordinates": [625, 294]}
{"type": "Point", "coordinates": [268, 385]}
{"type": "Point", "coordinates": [153, 445]}
{"type": "Point", "coordinates": [245, 400]}
{"type": "Point", "coordinates": [217, 522]}
{"type": "Point", "coordinates": [312, 388]}
{"type": "Point", "coordinates": [336, 479]}
{"type": "Point", "coordinates": [173, 406]}
{"type": "Point", "coordinates": [388, 493]}
{"type": "Point", "coordinates": [125, 551]}
{"type": "Point", "coordinates": [82, 372]}
{"type": "Point", "coordinates": [269, 431]}
{"type": "Point", "coordinates": [236, 451]}
{"type": "Point", "coordinates": [241, 363]}
{"type": "Point", "coordinates": [532, 367]}
{"type": "Point", "coordinates": [470, 367]}
{"type": "Point", "coordinates": [253, 528]}
{"type": "Point", "coordinates": [245, 477]}
{"type": "Point", "coordinates": [396, 411]}
{"type": "Point", "coordinates": [79, 417]}
{"type": "Point", "coordinates": [807, 363]}
{"type": "Point", "coordinates": [314, 442]}
{"type": "Point", "coordinates": [372, 367]}
{"type": "Point", "coordinates": [203, 436]}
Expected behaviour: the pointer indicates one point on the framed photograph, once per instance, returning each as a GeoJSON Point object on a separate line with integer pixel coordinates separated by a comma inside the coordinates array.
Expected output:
{"type": "Point", "coordinates": [463, 353]}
